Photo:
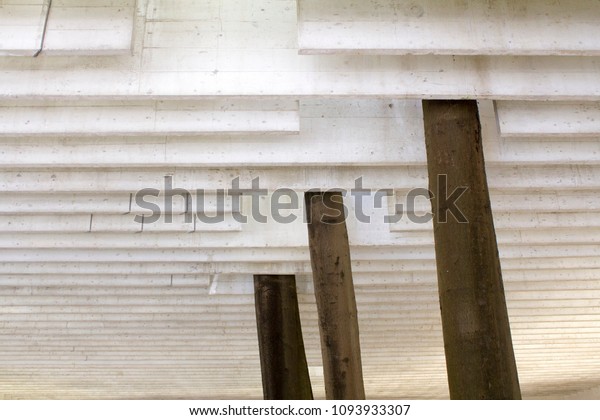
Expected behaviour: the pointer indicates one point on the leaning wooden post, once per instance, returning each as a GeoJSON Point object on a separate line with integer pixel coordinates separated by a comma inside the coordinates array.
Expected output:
{"type": "Point", "coordinates": [334, 291]}
{"type": "Point", "coordinates": [479, 354]}
{"type": "Point", "coordinates": [282, 358]}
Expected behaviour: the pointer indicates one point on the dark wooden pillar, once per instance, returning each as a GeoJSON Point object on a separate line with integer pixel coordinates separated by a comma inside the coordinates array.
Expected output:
{"type": "Point", "coordinates": [282, 358]}
{"type": "Point", "coordinates": [334, 291]}
{"type": "Point", "coordinates": [479, 352]}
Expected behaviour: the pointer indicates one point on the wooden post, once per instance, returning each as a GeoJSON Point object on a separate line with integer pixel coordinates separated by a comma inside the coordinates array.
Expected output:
{"type": "Point", "coordinates": [479, 352]}
{"type": "Point", "coordinates": [282, 358]}
{"type": "Point", "coordinates": [334, 291]}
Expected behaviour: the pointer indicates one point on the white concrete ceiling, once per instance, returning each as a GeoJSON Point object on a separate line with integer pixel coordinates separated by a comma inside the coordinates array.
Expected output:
{"type": "Point", "coordinates": [96, 305]}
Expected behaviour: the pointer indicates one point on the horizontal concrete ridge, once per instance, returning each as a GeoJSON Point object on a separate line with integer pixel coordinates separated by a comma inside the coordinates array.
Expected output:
{"type": "Point", "coordinates": [118, 180]}
{"type": "Point", "coordinates": [60, 203]}
{"type": "Point", "coordinates": [199, 133]}
{"type": "Point", "coordinates": [385, 27]}
{"type": "Point", "coordinates": [22, 27]}
{"type": "Point", "coordinates": [112, 223]}
{"type": "Point", "coordinates": [203, 254]}
{"type": "Point", "coordinates": [230, 74]}
{"type": "Point", "coordinates": [90, 28]}
{"type": "Point", "coordinates": [33, 27]}
{"type": "Point", "coordinates": [277, 267]}
{"type": "Point", "coordinates": [507, 220]}
{"type": "Point", "coordinates": [552, 120]}
{"type": "Point", "coordinates": [273, 238]}
{"type": "Point", "coordinates": [235, 49]}
{"type": "Point", "coordinates": [159, 118]}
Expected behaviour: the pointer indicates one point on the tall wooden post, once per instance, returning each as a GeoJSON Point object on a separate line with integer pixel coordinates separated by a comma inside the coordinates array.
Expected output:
{"type": "Point", "coordinates": [282, 358]}
{"type": "Point", "coordinates": [334, 291]}
{"type": "Point", "coordinates": [479, 352]}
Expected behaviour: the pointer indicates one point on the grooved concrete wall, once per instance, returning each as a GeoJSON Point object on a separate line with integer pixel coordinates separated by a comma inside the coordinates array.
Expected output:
{"type": "Point", "coordinates": [307, 94]}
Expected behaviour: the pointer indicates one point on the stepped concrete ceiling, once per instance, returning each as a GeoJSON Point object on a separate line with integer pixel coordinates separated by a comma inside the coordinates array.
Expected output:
{"type": "Point", "coordinates": [122, 96]}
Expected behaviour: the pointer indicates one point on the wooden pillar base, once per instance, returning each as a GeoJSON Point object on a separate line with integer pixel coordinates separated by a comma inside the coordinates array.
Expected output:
{"type": "Point", "coordinates": [334, 291]}
{"type": "Point", "coordinates": [282, 358]}
{"type": "Point", "coordinates": [479, 352]}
